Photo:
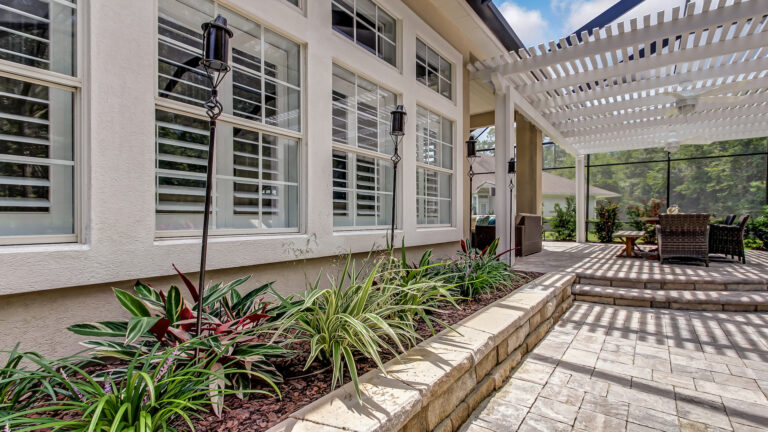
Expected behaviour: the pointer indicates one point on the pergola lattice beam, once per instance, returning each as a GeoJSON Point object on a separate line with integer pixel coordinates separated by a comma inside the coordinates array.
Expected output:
{"type": "Point", "coordinates": [608, 89]}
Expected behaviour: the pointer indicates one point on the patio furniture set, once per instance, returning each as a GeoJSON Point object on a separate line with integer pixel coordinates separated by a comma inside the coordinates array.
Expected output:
{"type": "Point", "coordinates": [689, 236]}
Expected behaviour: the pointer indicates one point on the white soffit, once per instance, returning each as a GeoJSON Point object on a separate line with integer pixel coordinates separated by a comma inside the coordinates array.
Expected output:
{"type": "Point", "coordinates": [693, 76]}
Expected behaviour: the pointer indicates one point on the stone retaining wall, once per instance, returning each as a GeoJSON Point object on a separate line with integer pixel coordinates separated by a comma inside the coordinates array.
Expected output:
{"type": "Point", "coordinates": [438, 383]}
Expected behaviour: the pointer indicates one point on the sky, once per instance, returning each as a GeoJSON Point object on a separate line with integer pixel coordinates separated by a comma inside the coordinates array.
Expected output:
{"type": "Point", "coordinates": [540, 21]}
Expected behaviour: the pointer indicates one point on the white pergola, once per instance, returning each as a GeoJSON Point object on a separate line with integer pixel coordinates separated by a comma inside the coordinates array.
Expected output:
{"type": "Point", "coordinates": [689, 76]}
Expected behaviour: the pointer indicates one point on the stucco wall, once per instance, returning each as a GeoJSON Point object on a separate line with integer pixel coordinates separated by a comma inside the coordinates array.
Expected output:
{"type": "Point", "coordinates": [116, 159]}
{"type": "Point", "coordinates": [38, 320]}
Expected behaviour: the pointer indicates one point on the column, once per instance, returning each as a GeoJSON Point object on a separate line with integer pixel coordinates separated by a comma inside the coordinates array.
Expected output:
{"type": "Point", "coordinates": [504, 119]}
{"type": "Point", "coordinates": [529, 164]}
{"type": "Point", "coordinates": [581, 205]}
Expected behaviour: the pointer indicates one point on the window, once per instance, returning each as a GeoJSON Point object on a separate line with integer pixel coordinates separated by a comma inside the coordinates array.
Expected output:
{"type": "Point", "coordinates": [433, 70]}
{"type": "Point", "coordinates": [434, 172]}
{"type": "Point", "coordinates": [368, 25]}
{"type": "Point", "coordinates": [362, 169]}
{"type": "Point", "coordinates": [256, 178]}
{"type": "Point", "coordinates": [37, 121]}
{"type": "Point", "coordinates": [294, 2]}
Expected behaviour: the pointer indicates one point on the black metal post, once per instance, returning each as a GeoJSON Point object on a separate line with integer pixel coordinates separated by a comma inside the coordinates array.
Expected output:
{"type": "Point", "coordinates": [669, 177]}
{"type": "Point", "coordinates": [215, 64]}
{"type": "Point", "coordinates": [206, 222]}
{"type": "Point", "coordinates": [471, 192]}
{"type": "Point", "coordinates": [586, 206]}
{"type": "Point", "coordinates": [395, 161]}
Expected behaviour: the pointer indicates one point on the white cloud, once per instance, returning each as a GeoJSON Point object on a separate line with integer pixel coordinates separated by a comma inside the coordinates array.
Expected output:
{"type": "Point", "coordinates": [581, 12]}
{"type": "Point", "coordinates": [529, 24]}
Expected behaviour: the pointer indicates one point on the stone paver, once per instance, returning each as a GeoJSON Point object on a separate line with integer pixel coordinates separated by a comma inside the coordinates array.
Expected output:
{"type": "Point", "coordinates": [614, 368]}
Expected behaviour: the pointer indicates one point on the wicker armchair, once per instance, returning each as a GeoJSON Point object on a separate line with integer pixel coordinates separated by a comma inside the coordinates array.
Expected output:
{"type": "Point", "coordinates": [729, 219]}
{"type": "Point", "coordinates": [729, 239]}
{"type": "Point", "coordinates": [683, 236]}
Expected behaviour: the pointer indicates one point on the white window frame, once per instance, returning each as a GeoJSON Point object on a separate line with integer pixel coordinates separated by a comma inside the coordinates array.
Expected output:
{"type": "Point", "coordinates": [353, 40]}
{"type": "Point", "coordinates": [440, 170]}
{"type": "Point", "coordinates": [173, 106]}
{"type": "Point", "coordinates": [441, 56]}
{"type": "Point", "coordinates": [75, 85]}
{"type": "Point", "coordinates": [359, 151]}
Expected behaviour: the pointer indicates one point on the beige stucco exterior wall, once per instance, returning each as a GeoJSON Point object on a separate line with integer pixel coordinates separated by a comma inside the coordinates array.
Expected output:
{"type": "Point", "coordinates": [38, 320]}
{"type": "Point", "coordinates": [46, 287]}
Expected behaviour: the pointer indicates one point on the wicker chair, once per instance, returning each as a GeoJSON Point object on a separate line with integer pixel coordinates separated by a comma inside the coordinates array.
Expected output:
{"type": "Point", "coordinates": [729, 219]}
{"type": "Point", "coordinates": [683, 236]}
{"type": "Point", "coordinates": [729, 239]}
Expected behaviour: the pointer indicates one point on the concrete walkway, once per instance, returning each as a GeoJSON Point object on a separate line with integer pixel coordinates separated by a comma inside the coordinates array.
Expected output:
{"type": "Point", "coordinates": [590, 260]}
{"type": "Point", "coordinates": [612, 368]}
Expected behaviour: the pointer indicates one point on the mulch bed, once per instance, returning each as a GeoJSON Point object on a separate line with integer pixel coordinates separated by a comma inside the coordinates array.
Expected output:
{"type": "Point", "coordinates": [306, 386]}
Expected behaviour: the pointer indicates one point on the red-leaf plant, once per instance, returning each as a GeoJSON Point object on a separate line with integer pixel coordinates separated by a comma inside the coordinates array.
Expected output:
{"type": "Point", "coordinates": [232, 326]}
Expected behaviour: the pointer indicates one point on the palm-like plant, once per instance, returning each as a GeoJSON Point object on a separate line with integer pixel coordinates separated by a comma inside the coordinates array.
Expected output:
{"type": "Point", "coordinates": [151, 394]}
{"type": "Point", "coordinates": [354, 316]}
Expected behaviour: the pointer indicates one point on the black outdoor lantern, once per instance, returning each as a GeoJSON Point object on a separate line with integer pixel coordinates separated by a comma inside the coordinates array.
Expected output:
{"type": "Point", "coordinates": [471, 155]}
{"type": "Point", "coordinates": [215, 59]}
{"type": "Point", "coordinates": [471, 148]}
{"type": "Point", "coordinates": [396, 131]}
{"type": "Point", "coordinates": [215, 63]}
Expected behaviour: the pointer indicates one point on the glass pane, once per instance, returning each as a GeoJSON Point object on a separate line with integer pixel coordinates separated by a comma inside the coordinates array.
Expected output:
{"type": "Point", "coordinates": [40, 34]}
{"type": "Point", "coordinates": [365, 36]}
{"type": "Point", "coordinates": [282, 105]}
{"type": "Point", "coordinates": [36, 159]}
{"type": "Point", "coordinates": [719, 186]}
{"type": "Point", "coordinates": [421, 52]}
{"type": "Point", "coordinates": [263, 194]}
{"type": "Point", "coordinates": [362, 189]}
{"type": "Point", "coordinates": [180, 76]}
{"type": "Point", "coordinates": [342, 21]}
{"type": "Point", "coordinates": [387, 51]}
{"type": "Point", "coordinates": [387, 26]}
{"type": "Point", "coordinates": [182, 158]}
{"type": "Point", "coordinates": [343, 105]}
{"type": "Point", "coordinates": [282, 58]}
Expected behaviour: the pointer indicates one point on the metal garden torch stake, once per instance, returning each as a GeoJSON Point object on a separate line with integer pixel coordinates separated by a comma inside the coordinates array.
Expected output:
{"type": "Point", "coordinates": [471, 155]}
{"type": "Point", "coordinates": [215, 63]}
{"type": "Point", "coordinates": [396, 131]}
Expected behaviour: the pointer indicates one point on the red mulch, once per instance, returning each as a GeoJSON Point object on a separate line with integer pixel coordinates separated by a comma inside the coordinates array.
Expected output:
{"type": "Point", "coordinates": [259, 414]}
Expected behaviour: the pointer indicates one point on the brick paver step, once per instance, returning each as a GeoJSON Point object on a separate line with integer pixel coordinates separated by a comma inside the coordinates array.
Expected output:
{"type": "Point", "coordinates": [674, 299]}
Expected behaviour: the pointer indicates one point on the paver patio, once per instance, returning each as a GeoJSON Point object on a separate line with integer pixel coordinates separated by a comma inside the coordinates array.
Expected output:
{"type": "Point", "coordinates": [612, 368]}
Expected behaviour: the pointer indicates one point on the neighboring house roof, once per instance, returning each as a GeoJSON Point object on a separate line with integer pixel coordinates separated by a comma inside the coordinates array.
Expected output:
{"type": "Point", "coordinates": [551, 184]}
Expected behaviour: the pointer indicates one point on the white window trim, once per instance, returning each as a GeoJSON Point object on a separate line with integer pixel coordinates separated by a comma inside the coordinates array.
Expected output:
{"type": "Point", "coordinates": [453, 70]}
{"type": "Point", "coordinates": [397, 42]}
{"type": "Point", "coordinates": [452, 172]}
{"type": "Point", "coordinates": [355, 150]}
{"type": "Point", "coordinates": [75, 85]}
{"type": "Point", "coordinates": [191, 110]}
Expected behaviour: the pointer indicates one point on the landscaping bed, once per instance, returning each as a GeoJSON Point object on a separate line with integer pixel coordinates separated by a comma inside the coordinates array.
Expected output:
{"type": "Point", "coordinates": [258, 414]}
{"type": "Point", "coordinates": [245, 358]}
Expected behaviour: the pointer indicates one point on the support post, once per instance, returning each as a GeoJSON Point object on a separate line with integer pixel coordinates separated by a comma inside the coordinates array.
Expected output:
{"type": "Point", "coordinates": [504, 118]}
{"type": "Point", "coordinates": [581, 203]}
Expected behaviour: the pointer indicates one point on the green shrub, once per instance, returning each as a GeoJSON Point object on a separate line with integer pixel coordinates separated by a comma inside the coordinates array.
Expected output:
{"type": "Point", "coordinates": [417, 284]}
{"type": "Point", "coordinates": [475, 272]}
{"type": "Point", "coordinates": [648, 209]}
{"type": "Point", "coordinates": [355, 315]}
{"type": "Point", "coordinates": [564, 220]}
{"type": "Point", "coordinates": [607, 220]}
{"type": "Point", "coordinates": [231, 325]}
{"type": "Point", "coordinates": [756, 232]}
{"type": "Point", "coordinates": [149, 394]}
